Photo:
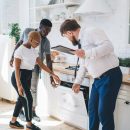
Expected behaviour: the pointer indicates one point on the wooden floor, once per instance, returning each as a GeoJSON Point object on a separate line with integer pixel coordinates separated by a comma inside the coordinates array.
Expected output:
{"type": "Point", "coordinates": [6, 110]}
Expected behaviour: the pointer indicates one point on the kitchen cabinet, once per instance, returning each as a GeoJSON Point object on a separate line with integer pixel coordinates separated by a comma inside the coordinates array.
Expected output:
{"type": "Point", "coordinates": [40, 9]}
{"type": "Point", "coordinates": [7, 91]}
{"type": "Point", "coordinates": [122, 110]}
{"type": "Point", "coordinates": [69, 107]}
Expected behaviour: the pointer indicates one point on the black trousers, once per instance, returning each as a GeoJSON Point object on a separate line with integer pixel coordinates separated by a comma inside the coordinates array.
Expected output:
{"type": "Point", "coordinates": [26, 100]}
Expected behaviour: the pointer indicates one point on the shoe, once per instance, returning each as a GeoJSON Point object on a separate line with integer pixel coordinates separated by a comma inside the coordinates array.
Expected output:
{"type": "Point", "coordinates": [22, 116]}
{"type": "Point", "coordinates": [35, 117]}
{"type": "Point", "coordinates": [16, 125]}
{"type": "Point", "coordinates": [32, 127]}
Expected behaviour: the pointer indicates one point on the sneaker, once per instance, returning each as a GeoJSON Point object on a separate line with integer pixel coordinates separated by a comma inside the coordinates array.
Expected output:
{"type": "Point", "coordinates": [16, 125]}
{"type": "Point", "coordinates": [32, 127]}
{"type": "Point", "coordinates": [35, 117]}
{"type": "Point", "coordinates": [22, 116]}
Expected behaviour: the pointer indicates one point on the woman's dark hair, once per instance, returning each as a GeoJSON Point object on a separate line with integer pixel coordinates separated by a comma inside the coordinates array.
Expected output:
{"type": "Point", "coordinates": [45, 22]}
{"type": "Point", "coordinates": [69, 25]}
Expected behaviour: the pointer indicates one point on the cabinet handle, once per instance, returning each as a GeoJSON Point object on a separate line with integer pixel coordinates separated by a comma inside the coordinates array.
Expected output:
{"type": "Point", "coordinates": [127, 102]}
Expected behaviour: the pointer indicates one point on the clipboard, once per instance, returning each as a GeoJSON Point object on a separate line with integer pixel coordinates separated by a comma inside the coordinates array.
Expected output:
{"type": "Point", "coordinates": [64, 49]}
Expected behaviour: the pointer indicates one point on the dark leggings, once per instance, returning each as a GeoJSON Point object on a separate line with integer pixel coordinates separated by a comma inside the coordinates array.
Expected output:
{"type": "Point", "coordinates": [25, 100]}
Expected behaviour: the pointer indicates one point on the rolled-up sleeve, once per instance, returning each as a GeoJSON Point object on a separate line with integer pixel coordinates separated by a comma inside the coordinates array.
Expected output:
{"type": "Point", "coordinates": [18, 53]}
{"type": "Point", "coordinates": [81, 74]}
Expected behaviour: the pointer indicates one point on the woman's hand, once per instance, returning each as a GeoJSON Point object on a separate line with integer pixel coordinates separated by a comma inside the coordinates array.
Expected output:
{"type": "Point", "coordinates": [20, 90]}
{"type": "Point", "coordinates": [53, 82]}
{"type": "Point", "coordinates": [76, 88]}
{"type": "Point", "coordinates": [56, 79]}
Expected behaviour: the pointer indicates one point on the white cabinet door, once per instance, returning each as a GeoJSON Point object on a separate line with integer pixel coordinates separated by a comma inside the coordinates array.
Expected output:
{"type": "Point", "coordinates": [70, 107]}
{"type": "Point", "coordinates": [122, 115]}
{"type": "Point", "coordinates": [6, 89]}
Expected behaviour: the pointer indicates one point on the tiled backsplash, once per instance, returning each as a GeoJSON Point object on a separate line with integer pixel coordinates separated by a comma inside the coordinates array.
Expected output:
{"type": "Point", "coordinates": [123, 52]}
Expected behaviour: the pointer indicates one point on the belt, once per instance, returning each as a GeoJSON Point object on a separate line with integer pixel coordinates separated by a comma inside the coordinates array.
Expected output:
{"type": "Point", "coordinates": [108, 72]}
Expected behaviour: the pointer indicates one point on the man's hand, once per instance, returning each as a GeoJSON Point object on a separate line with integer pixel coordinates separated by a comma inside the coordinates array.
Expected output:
{"type": "Point", "coordinates": [11, 62]}
{"type": "Point", "coordinates": [76, 88]}
{"type": "Point", "coordinates": [53, 82]}
{"type": "Point", "coordinates": [80, 53]}
{"type": "Point", "coordinates": [54, 54]}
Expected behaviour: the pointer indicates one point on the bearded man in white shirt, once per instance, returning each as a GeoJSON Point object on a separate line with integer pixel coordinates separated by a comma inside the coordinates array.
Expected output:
{"type": "Point", "coordinates": [103, 65]}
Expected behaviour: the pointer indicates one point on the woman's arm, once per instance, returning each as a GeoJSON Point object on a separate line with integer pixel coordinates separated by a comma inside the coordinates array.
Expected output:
{"type": "Point", "coordinates": [12, 57]}
{"type": "Point", "coordinates": [44, 67]}
{"type": "Point", "coordinates": [17, 75]}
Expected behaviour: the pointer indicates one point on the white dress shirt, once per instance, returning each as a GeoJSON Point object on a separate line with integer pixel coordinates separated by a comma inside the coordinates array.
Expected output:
{"type": "Point", "coordinates": [99, 52]}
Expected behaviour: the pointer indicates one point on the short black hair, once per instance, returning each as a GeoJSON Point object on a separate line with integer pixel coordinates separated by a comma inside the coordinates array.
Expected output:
{"type": "Point", "coordinates": [45, 22]}
{"type": "Point", "coordinates": [69, 25]}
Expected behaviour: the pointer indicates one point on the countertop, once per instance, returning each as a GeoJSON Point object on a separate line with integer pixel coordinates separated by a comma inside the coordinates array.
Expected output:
{"type": "Point", "coordinates": [60, 67]}
{"type": "Point", "coordinates": [126, 79]}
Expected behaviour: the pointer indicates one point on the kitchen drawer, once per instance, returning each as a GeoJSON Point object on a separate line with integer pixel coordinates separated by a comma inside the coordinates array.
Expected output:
{"type": "Point", "coordinates": [121, 114]}
{"type": "Point", "coordinates": [124, 92]}
{"type": "Point", "coordinates": [75, 119]}
{"type": "Point", "coordinates": [124, 97]}
{"type": "Point", "coordinates": [125, 87]}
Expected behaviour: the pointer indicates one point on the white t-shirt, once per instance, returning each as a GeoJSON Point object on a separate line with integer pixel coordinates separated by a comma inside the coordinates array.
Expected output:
{"type": "Point", "coordinates": [28, 57]}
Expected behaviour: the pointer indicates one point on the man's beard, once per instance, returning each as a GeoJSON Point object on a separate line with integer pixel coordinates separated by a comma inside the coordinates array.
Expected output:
{"type": "Point", "coordinates": [74, 41]}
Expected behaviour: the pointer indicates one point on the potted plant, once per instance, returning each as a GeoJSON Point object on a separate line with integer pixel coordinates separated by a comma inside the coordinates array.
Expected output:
{"type": "Point", "coordinates": [125, 64]}
{"type": "Point", "coordinates": [14, 31]}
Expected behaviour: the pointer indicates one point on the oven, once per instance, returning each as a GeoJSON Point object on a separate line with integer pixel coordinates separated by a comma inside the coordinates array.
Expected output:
{"type": "Point", "coordinates": [83, 89]}
{"type": "Point", "coordinates": [69, 106]}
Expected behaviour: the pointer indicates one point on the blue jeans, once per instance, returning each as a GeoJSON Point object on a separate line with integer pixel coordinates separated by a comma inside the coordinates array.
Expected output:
{"type": "Point", "coordinates": [103, 99]}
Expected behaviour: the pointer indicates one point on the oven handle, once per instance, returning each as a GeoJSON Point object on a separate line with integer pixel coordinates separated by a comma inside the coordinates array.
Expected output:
{"type": "Point", "coordinates": [69, 85]}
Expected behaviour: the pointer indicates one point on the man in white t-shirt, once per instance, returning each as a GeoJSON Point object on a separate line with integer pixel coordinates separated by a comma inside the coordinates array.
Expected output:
{"type": "Point", "coordinates": [102, 64]}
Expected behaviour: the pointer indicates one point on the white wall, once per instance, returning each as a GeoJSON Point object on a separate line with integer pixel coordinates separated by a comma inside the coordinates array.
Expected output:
{"type": "Point", "coordinates": [13, 11]}
{"type": "Point", "coordinates": [23, 14]}
{"type": "Point", "coordinates": [9, 14]}
{"type": "Point", "coordinates": [114, 24]}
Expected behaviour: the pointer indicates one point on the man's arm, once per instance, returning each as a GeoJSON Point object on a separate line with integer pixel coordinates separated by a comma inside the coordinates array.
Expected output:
{"type": "Point", "coordinates": [12, 57]}
{"type": "Point", "coordinates": [103, 45]}
{"type": "Point", "coordinates": [49, 61]}
{"type": "Point", "coordinates": [49, 65]}
{"type": "Point", "coordinates": [79, 78]}
{"type": "Point", "coordinates": [100, 41]}
{"type": "Point", "coordinates": [44, 67]}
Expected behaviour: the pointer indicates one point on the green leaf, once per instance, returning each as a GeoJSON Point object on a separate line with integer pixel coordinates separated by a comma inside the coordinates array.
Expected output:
{"type": "Point", "coordinates": [14, 31]}
{"type": "Point", "coordinates": [125, 62]}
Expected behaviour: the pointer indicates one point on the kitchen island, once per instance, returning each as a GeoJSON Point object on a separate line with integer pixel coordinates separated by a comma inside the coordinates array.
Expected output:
{"type": "Point", "coordinates": [122, 110]}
